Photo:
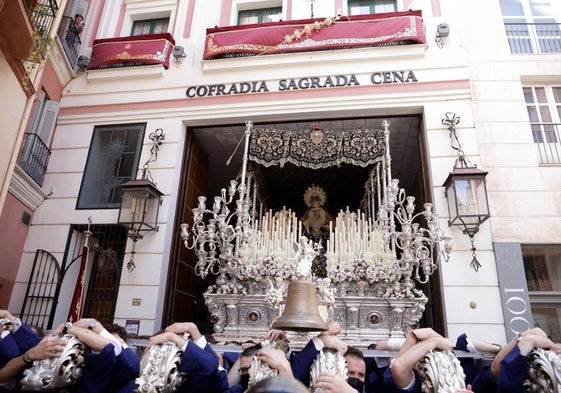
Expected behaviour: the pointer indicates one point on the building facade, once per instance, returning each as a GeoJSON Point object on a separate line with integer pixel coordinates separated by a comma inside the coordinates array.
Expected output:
{"type": "Point", "coordinates": [190, 70]}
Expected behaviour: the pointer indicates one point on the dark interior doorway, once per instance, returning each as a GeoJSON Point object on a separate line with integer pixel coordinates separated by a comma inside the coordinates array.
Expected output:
{"type": "Point", "coordinates": [343, 184]}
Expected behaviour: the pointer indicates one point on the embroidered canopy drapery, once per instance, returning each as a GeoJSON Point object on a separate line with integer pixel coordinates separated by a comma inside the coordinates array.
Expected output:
{"type": "Point", "coordinates": [132, 51]}
{"type": "Point", "coordinates": [358, 31]}
{"type": "Point", "coordinates": [316, 148]}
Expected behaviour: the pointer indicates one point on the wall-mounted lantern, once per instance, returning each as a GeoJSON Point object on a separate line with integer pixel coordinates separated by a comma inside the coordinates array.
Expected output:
{"type": "Point", "coordinates": [466, 192]}
{"type": "Point", "coordinates": [141, 200]}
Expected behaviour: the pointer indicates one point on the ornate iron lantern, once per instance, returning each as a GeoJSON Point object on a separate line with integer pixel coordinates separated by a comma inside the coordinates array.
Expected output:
{"type": "Point", "coordinates": [467, 199]}
{"type": "Point", "coordinates": [141, 200]}
{"type": "Point", "coordinates": [140, 203]}
{"type": "Point", "coordinates": [466, 192]}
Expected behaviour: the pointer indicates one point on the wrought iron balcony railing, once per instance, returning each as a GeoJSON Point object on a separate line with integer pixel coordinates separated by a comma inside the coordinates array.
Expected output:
{"type": "Point", "coordinates": [534, 37]}
{"type": "Point", "coordinates": [34, 157]}
{"type": "Point", "coordinates": [548, 141]}
{"type": "Point", "coordinates": [70, 41]}
{"type": "Point", "coordinates": [42, 14]}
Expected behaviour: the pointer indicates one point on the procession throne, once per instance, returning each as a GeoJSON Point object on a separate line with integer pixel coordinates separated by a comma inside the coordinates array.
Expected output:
{"type": "Point", "coordinates": [376, 258]}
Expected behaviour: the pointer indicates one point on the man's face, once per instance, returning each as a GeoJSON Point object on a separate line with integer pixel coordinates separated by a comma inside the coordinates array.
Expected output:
{"type": "Point", "coordinates": [245, 364]}
{"type": "Point", "coordinates": [356, 368]}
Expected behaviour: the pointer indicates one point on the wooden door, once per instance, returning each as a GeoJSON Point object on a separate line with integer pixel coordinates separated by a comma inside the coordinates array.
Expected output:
{"type": "Point", "coordinates": [184, 300]}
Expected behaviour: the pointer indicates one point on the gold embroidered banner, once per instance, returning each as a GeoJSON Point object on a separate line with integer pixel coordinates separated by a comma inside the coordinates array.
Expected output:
{"type": "Point", "coordinates": [392, 28]}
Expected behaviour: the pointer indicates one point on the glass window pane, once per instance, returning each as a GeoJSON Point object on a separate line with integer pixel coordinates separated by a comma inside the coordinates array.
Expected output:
{"type": "Point", "coordinates": [271, 15]}
{"type": "Point", "coordinates": [385, 6]}
{"type": "Point", "coordinates": [262, 15]}
{"type": "Point", "coordinates": [528, 95]}
{"type": "Point", "coordinates": [161, 26]}
{"type": "Point", "coordinates": [112, 160]}
{"type": "Point", "coordinates": [545, 115]}
{"type": "Point", "coordinates": [550, 135]}
{"type": "Point", "coordinates": [540, 94]}
{"type": "Point", "coordinates": [248, 17]}
{"type": "Point", "coordinates": [360, 7]}
{"type": "Point", "coordinates": [150, 26]}
{"type": "Point", "coordinates": [548, 318]}
{"type": "Point", "coordinates": [540, 8]}
{"type": "Point", "coordinates": [140, 28]}
{"type": "Point", "coordinates": [533, 114]}
{"type": "Point", "coordinates": [543, 267]}
{"type": "Point", "coordinates": [511, 8]}
{"type": "Point", "coordinates": [537, 133]}
{"type": "Point", "coordinates": [557, 94]}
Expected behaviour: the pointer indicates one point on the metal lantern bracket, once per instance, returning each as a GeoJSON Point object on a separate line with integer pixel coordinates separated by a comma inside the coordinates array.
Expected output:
{"type": "Point", "coordinates": [141, 200]}
{"type": "Point", "coordinates": [465, 190]}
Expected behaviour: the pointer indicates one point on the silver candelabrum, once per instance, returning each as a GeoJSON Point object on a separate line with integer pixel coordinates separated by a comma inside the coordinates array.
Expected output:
{"type": "Point", "coordinates": [404, 234]}
{"type": "Point", "coordinates": [413, 245]}
{"type": "Point", "coordinates": [218, 234]}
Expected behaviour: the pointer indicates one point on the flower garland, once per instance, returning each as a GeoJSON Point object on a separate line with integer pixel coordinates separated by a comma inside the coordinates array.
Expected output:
{"type": "Point", "coordinates": [360, 270]}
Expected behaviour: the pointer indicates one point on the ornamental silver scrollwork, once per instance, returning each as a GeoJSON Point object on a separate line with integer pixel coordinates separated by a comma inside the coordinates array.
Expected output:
{"type": "Point", "coordinates": [441, 372]}
{"type": "Point", "coordinates": [59, 372]}
{"type": "Point", "coordinates": [260, 370]}
{"type": "Point", "coordinates": [328, 361]}
{"type": "Point", "coordinates": [7, 324]}
{"type": "Point", "coordinates": [544, 372]}
{"type": "Point", "coordinates": [159, 369]}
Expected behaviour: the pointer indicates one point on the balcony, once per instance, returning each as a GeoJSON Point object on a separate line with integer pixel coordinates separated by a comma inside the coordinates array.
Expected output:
{"type": "Point", "coordinates": [69, 39]}
{"type": "Point", "coordinates": [393, 28]}
{"type": "Point", "coordinates": [42, 14]}
{"type": "Point", "coordinates": [34, 157]}
{"type": "Point", "coordinates": [131, 51]}
{"type": "Point", "coordinates": [534, 37]}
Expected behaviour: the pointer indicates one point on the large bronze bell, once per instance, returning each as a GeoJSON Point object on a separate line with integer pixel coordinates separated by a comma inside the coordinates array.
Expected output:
{"type": "Point", "coordinates": [301, 310]}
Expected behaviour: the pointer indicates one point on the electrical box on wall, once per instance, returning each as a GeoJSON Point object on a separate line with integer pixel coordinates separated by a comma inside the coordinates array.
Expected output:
{"type": "Point", "coordinates": [442, 30]}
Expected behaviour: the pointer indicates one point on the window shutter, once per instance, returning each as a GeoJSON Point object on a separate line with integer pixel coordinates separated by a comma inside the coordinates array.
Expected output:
{"type": "Point", "coordinates": [38, 112]}
{"type": "Point", "coordinates": [48, 121]}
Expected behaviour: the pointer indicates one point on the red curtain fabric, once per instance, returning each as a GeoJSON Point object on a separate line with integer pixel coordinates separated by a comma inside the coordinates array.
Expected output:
{"type": "Point", "coordinates": [134, 50]}
{"type": "Point", "coordinates": [315, 34]}
{"type": "Point", "coordinates": [77, 304]}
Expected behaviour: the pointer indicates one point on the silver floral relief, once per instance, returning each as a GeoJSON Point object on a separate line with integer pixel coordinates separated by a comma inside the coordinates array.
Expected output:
{"type": "Point", "coordinates": [217, 312]}
{"type": "Point", "coordinates": [260, 370]}
{"type": "Point", "coordinates": [441, 372]}
{"type": "Point", "coordinates": [7, 324]}
{"type": "Point", "coordinates": [159, 369]}
{"type": "Point", "coordinates": [544, 372]}
{"type": "Point", "coordinates": [328, 361]}
{"type": "Point", "coordinates": [59, 372]}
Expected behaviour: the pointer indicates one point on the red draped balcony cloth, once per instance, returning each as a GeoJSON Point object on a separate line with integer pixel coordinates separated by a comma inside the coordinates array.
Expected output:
{"type": "Point", "coordinates": [132, 51]}
{"type": "Point", "coordinates": [392, 28]}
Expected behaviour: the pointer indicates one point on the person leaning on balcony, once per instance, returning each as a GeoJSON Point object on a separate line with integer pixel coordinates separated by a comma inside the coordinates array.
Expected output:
{"type": "Point", "coordinates": [75, 28]}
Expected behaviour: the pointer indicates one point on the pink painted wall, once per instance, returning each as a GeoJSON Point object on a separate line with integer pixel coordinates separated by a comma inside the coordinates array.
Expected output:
{"type": "Point", "coordinates": [12, 240]}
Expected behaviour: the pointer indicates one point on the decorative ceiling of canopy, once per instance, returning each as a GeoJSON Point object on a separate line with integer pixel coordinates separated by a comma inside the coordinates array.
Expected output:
{"type": "Point", "coordinates": [343, 182]}
{"type": "Point", "coordinates": [316, 147]}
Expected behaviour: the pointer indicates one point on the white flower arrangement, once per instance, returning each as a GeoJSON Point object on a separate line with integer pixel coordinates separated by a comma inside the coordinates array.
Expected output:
{"type": "Point", "coordinates": [360, 270]}
{"type": "Point", "coordinates": [230, 288]}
